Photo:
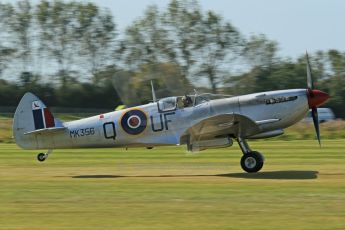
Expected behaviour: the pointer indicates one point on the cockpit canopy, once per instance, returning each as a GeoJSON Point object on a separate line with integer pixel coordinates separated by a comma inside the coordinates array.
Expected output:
{"type": "Point", "coordinates": [172, 103]}
{"type": "Point", "coordinates": [167, 104]}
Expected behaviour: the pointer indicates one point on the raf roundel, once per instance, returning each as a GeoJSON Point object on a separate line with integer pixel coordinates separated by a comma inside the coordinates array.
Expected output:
{"type": "Point", "coordinates": [134, 122]}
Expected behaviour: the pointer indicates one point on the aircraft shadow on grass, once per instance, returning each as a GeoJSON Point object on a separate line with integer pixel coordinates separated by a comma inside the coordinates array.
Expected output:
{"type": "Point", "coordinates": [272, 175]}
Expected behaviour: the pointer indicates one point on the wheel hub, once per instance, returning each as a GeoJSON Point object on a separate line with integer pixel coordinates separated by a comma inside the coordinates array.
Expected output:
{"type": "Point", "coordinates": [250, 162]}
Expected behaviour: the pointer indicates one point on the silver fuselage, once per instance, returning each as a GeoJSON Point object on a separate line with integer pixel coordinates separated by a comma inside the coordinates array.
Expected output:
{"type": "Point", "coordinates": [285, 107]}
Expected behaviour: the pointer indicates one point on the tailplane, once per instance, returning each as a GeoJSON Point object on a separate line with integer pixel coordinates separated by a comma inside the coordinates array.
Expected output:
{"type": "Point", "coordinates": [32, 117]}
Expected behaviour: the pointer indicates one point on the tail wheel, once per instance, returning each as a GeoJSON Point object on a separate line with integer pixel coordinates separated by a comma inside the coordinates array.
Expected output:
{"type": "Point", "coordinates": [252, 162]}
{"type": "Point", "coordinates": [41, 157]}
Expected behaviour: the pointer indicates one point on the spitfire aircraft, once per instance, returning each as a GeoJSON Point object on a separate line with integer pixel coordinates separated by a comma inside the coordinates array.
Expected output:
{"type": "Point", "coordinates": [199, 121]}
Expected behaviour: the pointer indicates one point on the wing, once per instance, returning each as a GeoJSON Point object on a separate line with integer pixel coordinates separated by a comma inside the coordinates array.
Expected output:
{"type": "Point", "coordinates": [221, 125]}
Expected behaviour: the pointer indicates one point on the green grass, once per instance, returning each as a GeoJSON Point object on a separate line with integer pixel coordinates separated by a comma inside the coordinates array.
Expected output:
{"type": "Point", "coordinates": [300, 187]}
{"type": "Point", "coordinates": [6, 129]}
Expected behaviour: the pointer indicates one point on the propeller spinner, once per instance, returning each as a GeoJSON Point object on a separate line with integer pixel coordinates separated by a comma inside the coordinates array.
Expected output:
{"type": "Point", "coordinates": [315, 99]}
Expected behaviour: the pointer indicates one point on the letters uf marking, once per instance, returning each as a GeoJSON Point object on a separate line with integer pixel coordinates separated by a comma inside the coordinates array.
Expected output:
{"type": "Point", "coordinates": [163, 120]}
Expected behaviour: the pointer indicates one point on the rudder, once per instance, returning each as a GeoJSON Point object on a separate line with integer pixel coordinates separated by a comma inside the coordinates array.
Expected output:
{"type": "Point", "coordinates": [31, 114]}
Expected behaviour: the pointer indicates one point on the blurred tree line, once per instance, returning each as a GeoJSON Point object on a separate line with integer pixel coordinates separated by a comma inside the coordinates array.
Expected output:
{"type": "Point", "coordinates": [71, 54]}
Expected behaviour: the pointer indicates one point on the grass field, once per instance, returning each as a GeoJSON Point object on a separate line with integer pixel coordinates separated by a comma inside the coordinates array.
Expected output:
{"type": "Point", "coordinates": [300, 187]}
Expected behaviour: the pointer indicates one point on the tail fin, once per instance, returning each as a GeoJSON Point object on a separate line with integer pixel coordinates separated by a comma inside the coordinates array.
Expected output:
{"type": "Point", "coordinates": [31, 115]}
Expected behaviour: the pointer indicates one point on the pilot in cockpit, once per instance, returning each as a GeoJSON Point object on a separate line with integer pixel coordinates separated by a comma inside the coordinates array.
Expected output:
{"type": "Point", "coordinates": [187, 101]}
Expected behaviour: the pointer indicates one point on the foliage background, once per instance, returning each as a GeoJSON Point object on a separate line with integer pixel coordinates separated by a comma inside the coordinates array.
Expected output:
{"type": "Point", "coordinates": [71, 54]}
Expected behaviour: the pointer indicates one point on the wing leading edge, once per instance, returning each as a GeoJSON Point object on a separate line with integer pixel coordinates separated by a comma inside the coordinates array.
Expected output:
{"type": "Point", "coordinates": [223, 125]}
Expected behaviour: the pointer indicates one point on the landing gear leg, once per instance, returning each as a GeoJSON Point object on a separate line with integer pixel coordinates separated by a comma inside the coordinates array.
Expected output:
{"type": "Point", "coordinates": [42, 156]}
{"type": "Point", "coordinates": [251, 161]}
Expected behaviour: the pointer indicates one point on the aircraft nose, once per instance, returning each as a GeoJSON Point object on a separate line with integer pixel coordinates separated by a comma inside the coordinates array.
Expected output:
{"type": "Point", "coordinates": [316, 98]}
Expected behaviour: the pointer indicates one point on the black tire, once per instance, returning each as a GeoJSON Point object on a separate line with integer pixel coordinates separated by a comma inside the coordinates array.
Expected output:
{"type": "Point", "coordinates": [252, 162]}
{"type": "Point", "coordinates": [41, 157]}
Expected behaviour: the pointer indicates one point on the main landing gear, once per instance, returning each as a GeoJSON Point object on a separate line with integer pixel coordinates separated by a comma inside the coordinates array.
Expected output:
{"type": "Point", "coordinates": [43, 156]}
{"type": "Point", "coordinates": [251, 161]}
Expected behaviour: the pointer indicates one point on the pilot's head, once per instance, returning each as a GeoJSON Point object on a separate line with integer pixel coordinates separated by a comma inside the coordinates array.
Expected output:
{"type": "Point", "coordinates": [187, 100]}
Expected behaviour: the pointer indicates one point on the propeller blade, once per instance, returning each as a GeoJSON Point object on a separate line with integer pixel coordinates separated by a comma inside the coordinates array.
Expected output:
{"type": "Point", "coordinates": [316, 123]}
{"type": "Point", "coordinates": [309, 76]}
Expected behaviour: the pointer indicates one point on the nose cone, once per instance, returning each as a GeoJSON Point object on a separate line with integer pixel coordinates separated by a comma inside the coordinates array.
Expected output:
{"type": "Point", "coordinates": [316, 98]}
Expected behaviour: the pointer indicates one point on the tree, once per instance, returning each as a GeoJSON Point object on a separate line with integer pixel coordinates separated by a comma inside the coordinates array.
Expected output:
{"type": "Point", "coordinates": [96, 36]}
{"type": "Point", "coordinates": [337, 82]}
{"type": "Point", "coordinates": [182, 20]}
{"type": "Point", "coordinates": [218, 45]}
{"type": "Point", "coordinates": [145, 41]}
{"type": "Point", "coordinates": [6, 54]}
{"type": "Point", "coordinates": [260, 52]}
{"type": "Point", "coordinates": [19, 23]}
{"type": "Point", "coordinates": [285, 74]}
{"type": "Point", "coordinates": [78, 36]}
{"type": "Point", "coordinates": [7, 49]}
{"type": "Point", "coordinates": [201, 45]}
{"type": "Point", "coordinates": [57, 34]}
